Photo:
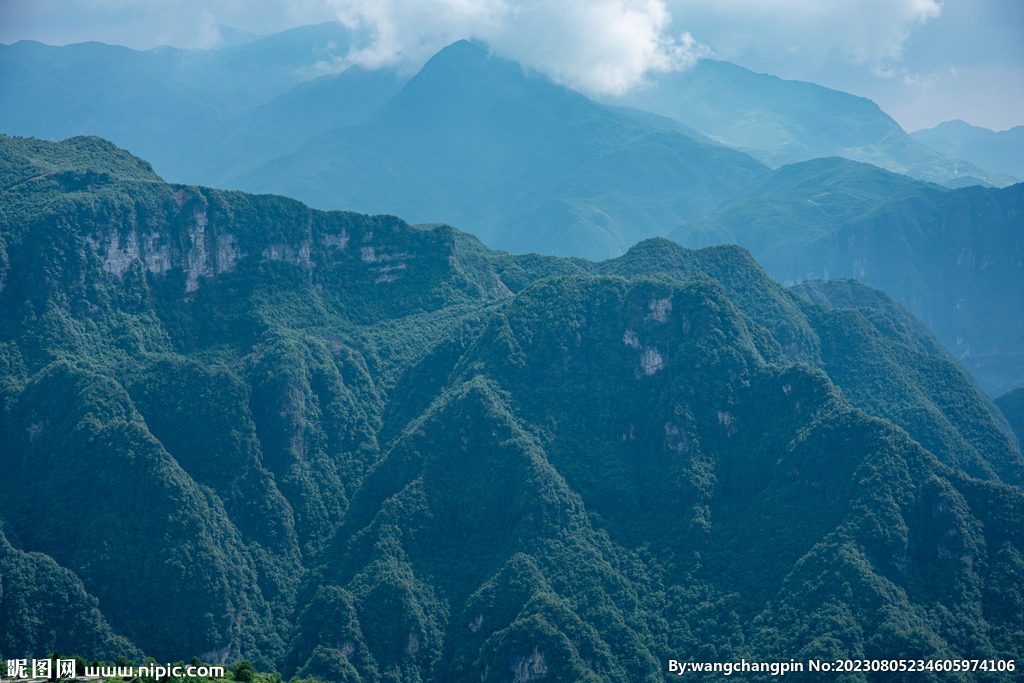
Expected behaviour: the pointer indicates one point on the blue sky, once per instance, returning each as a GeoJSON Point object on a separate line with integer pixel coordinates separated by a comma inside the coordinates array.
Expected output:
{"type": "Point", "coordinates": [922, 61]}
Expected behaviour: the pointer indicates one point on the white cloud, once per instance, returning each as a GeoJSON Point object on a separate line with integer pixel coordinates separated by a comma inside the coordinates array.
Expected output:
{"type": "Point", "coordinates": [865, 33]}
{"type": "Point", "coordinates": [600, 47]}
{"type": "Point", "coordinates": [406, 32]}
{"type": "Point", "coordinates": [920, 81]}
{"type": "Point", "coordinates": [609, 46]}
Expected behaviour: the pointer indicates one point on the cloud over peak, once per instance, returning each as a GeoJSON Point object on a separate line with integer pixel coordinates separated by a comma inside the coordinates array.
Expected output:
{"type": "Point", "coordinates": [597, 46]}
{"type": "Point", "coordinates": [602, 47]}
{"type": "Point", "coordinates": [609, 46]}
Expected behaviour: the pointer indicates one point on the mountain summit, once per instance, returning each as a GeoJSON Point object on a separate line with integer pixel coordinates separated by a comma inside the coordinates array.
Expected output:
{"type": "Point", "coordinates": [528, 165]}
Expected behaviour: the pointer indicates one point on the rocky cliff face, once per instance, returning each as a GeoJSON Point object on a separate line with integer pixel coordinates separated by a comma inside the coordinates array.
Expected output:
{"type": "Point", "coordinates": [203, 249]}
{"type": "Point", "coordinates": [200, 252]}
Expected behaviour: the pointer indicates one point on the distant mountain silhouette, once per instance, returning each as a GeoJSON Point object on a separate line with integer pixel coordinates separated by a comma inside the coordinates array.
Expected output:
{"type": "Point", "coordinates": [258, 135]}
{"type": "Point", "coordinates": [951, 256]}
{"type": "Point", "coordinates": [478, 142]}
{"type": "Point", "coordinates": [170, 105]}
{"type": "Point", "coordinates": [1002, 151]}
{"type": "Point", "coordinates": [782, 121]}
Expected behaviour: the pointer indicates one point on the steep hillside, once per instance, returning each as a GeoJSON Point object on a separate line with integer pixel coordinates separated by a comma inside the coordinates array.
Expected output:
{"type": "Point", "coordinates": [797, 121]}
{"type": "Point", "coordinates": [46, 607]}
{"type": "Point", "coordinates": [953, 257]}
{"type": "Point", "coordinates": [349, 448]}
{"type": "Point", "coordinates": [527, 165]}
{"type": "Point", "coordinates": [248, 460]}
{"type": "Point", "coordinates": [680, 500]}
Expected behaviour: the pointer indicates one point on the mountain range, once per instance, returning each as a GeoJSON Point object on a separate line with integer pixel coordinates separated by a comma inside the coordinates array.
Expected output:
{"type": "Point", "coordinates": [1002, 151]}
{"type": "Point", "coordinates": [343, 446]}
{"type": "Point", "coordinates": [528, 165]}
{"type": "Point", "coordinates": [780, 122]}
{"type": "Point", "coordinates": [173, 106]}
{"type": "Point", "coordinates": [549, 170]}
{"type": "Point", "coordinates": [327, 432]}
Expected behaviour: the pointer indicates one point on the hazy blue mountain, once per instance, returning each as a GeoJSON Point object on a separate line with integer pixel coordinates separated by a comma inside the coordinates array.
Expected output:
{"type": "Point", "coordinates": [285, 123]}
{"type": "Point", "coordinates": [170, 105]}
{"type": "Point", "coordinates": [797, 205]}
{"type": "Point", "coordinates": [231, 36]}
{"type": "Point", "coordinates": [1002, 151]}
{"type": "Point", "coordinates": [645, 118]}
{"type": "Point", "coordinates": [475, 141]}
{"type": "Point", "coordinates": [546, 169]}
{"type": "Point", "coordinates": [796, 121]}
{"type": "Point", "coordinates": [126, 96]}
{"type": "Point", "coordinates": [953, 257]}
{"type": "Point", "coordinates": [956, 133]}
{"type": "Point", "coordinates": [557, 174]}
{"type": "Point", "coordinates": [344, 447]}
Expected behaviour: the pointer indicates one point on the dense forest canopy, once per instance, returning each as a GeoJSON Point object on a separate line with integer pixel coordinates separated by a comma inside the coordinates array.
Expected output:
{"type": "Point", "coordinates": [345, 447]}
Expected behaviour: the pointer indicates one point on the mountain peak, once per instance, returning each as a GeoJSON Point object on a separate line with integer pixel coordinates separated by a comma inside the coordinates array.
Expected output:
{"type": "Point", "coordinates": [460, 47]}
{"type": "Point", "coordinates": [957, 131]}
{"type": "Point", "coordinates": [461, 55]}
{"type": "Point", "coordinates": [461, 70]}
{"type": "Point", "coordinates": [469, 92]}
{"type": "Point", "coordinates": [31, 158]}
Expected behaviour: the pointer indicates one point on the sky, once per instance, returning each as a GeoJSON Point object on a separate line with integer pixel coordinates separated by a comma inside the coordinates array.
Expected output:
{"type": "Point", "coordinates": [922, 61]}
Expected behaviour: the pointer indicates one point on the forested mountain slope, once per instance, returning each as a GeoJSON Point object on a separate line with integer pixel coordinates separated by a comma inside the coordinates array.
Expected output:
{"type": "Point", "coordinates": [953, 257]}
{"type": "Point", "coordinates": [347, 447]}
